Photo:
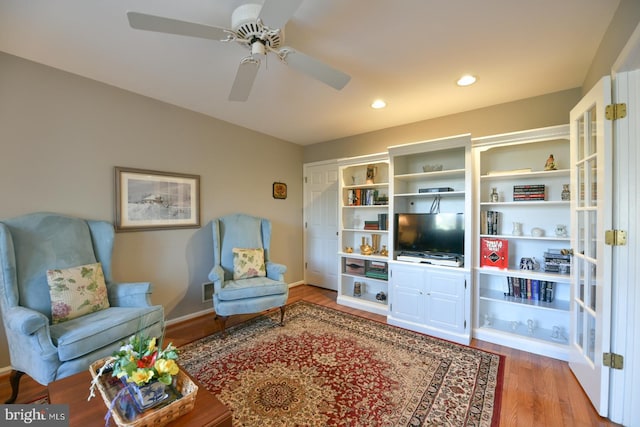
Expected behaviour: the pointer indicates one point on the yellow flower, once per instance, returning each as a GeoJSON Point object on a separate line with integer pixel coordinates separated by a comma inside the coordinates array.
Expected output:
{"type": "Point", "coordinates": [140, 376]}
{"type": "Point", "coordinates": [152, 345]}
{"type": "Point", "coordinates": [164, 366]}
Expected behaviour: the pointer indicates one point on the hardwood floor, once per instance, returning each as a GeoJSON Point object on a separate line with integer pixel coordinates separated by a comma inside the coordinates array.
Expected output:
{"type": "Point", "coordinates": [537, 391]}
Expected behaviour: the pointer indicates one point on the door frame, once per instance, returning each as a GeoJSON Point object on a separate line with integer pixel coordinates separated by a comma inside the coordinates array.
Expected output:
{"type": "Point", "coordinates": [305, 202]}
{"type": "Point", "coordinates": [625, 77]}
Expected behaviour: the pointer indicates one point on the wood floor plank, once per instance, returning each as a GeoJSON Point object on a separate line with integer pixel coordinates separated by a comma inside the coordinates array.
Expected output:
{"type": "Point", "coordinates": [537, 391]}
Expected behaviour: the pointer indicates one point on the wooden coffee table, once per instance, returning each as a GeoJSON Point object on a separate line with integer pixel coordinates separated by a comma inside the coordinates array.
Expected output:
{"type": "Point", "coordinates": [74, 390]}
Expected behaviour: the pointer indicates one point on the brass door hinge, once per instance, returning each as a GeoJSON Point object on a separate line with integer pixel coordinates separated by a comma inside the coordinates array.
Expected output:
{"type": "Point", "coordinates": [615, 237]}
{"type": "Point", "coordinates": [615, 111]}
{"type": "Point", "coordinates": [612, 360]}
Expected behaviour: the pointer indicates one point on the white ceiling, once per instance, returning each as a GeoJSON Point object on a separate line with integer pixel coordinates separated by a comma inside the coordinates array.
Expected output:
{"type": "Point", "coordinates": [409, 52]}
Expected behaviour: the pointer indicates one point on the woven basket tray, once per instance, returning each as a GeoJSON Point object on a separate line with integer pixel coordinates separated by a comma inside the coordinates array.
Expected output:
{"type": "Point", "coordinates": [154, 417]}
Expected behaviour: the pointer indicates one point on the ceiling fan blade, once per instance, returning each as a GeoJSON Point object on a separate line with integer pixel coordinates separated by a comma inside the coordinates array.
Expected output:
{"type": "Point", "coordinates": [276, 13]}
{"type": "Point", "coordinates": [142, 21]}
{"type": "Point", "coordinates": [316, 69]}
{"type": "Point", "coordinates": [245, 77]}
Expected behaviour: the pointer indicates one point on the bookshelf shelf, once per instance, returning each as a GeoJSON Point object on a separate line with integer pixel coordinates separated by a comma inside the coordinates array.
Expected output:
{"type": "Point", "coordinates": [538, 221]}
{"type": "Point", "coordinates": [363, 219]}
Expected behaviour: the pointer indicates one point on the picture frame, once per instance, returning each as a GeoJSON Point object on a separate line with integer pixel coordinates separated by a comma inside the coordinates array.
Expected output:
{"type": "Point", "coordinates": [279, 190]}
{"type": "Point", "coordinates": [155, 200]}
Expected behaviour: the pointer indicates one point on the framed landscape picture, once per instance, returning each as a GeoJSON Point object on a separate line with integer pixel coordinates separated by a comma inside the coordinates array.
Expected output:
{"type": "Point", "coordinates": [154, 200]}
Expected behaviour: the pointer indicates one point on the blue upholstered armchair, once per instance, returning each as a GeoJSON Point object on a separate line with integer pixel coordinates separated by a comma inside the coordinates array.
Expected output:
{"type": "Point", "coordinates": [47, 257]}
{"type": "Point", "coordinates": [244, 278]}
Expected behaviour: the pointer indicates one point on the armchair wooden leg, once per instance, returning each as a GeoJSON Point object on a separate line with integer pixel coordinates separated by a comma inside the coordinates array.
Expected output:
{"type": "Point", "coordinates": [14, 380]}
{"type": "Point", "coordinates": [282, 315]}
{"type": "Point", "coordinates": [222, 320]}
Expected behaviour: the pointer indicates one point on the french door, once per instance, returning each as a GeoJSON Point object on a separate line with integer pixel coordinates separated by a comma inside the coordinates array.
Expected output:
{"type": "Point", "coordinates": [321, 225]}
{"type": "Point", "coordinates": [591, 207]}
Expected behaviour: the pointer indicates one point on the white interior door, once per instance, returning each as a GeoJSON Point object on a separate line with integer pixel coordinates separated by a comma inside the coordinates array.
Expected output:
{"type": "Point", "coordinates": [321, 225]}
{"type": "Point", "coordinates": [591, 206]}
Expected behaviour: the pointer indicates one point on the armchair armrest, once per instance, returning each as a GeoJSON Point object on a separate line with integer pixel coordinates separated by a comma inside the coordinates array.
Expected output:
{"type": "Point", "coordinates": [276, 271]}
{"type": "Point", "coordinates": [216, 275]}
{"type": "Point", "coordinates": [129, 294]}
{"type": "Point", "coordinates": [25, 321]}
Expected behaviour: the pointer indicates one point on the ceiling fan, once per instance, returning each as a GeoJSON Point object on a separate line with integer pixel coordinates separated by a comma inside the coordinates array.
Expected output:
{"type": "Point", "coordinates": [258, 27]}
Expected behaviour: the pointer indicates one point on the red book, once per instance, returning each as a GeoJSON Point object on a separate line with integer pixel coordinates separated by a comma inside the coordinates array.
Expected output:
{"type": "Point", "coordinates": [494, 253]}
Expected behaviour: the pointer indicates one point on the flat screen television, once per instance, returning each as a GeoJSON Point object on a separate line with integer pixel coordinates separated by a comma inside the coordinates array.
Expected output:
{"type": "Point", "coordinates": [430, 233]}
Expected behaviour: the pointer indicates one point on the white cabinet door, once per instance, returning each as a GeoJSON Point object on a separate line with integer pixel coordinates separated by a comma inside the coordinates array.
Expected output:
{"type": "Point", "coordinates": [590, 338]}
{"type": "Point", "coordinates": [446, 301]}
{"type": "Point", "coordinates": [408, 299]}
{"type": "Point", "coordinates": [321, 225]}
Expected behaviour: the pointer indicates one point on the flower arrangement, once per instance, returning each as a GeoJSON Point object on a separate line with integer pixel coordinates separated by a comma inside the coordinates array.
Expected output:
{"type": "Point", "coordinates": [142, 361]}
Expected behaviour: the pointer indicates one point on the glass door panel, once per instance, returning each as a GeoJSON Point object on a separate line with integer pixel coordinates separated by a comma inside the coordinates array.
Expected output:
{"type": "Point", "coordinates": [590, 216]}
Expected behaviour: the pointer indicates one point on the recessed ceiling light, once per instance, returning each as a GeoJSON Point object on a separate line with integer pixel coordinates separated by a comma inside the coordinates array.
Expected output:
{"type": "Point", "coordinates": [378, 104]}
{"type": "Point", "coordinates": [466, 80]}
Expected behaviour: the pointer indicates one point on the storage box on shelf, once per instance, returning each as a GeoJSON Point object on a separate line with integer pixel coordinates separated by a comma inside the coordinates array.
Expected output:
{"type": "Point", "coordinates": [431, 177]}
{"type": "Point", "coordinates": [530, 217]}
{"type": "Point", "coordinates": [363, 232]}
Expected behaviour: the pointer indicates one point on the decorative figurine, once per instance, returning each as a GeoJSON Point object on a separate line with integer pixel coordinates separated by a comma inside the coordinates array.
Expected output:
{"type": "Point", "coordinates": [384, 251]}
{"type": "Point", "coordinates": [561, 230]}
{"type": "Point", "coordinates": [371, 173]}
{"type": "Point", "coordinates": [566, 194]}
{"type": "Point", "coordinates": [357, 289]}
{"type": "Point", "coordinates": [487, 320]}
{"type": "Point", "coordinates": [551, 163]}
{"type": "Point", "coordinates": [531, 326]}
{"type": "Point", "coordinates": [494, 197]}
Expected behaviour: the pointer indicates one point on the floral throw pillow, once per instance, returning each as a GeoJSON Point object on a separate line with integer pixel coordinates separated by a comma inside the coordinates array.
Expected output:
{"type": "Point", "coordinates": [76, 291]}
{"type": "Point", "coordinates": [248, 263]}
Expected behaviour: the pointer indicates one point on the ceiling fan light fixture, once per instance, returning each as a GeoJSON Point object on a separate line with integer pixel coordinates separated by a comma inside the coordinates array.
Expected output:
{"type": "Point", "coordinates": [257, 48]}
{"type": "Point", "coordinates": [466, 80]}
{"type": "Point", "coordinates": [378, 104]}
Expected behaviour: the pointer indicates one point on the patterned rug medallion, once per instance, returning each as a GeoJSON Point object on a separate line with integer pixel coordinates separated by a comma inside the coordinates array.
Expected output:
{"type": "Point", "coordinates": [326, 368]}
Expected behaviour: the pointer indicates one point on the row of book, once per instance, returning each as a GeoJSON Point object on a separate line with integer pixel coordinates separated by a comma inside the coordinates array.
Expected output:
{"type": "Point", "coordinates": [489, 222]}
{"type": "Point", "coordinates": [365, 197]}
{"type": "Point", "coordinates": [533, 289]}
{"type": "Point", "coordinates": [528, 192]}
{"type": "Point", "coordinates": [381, 224]}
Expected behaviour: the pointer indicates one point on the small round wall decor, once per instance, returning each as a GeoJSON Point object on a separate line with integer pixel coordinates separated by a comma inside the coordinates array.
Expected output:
{"type": "Point", "coordinates": [279, 190]}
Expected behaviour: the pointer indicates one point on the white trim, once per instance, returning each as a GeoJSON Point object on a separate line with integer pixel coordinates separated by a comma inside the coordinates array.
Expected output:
{"type": "Point", "coordinates": [629, 57]}
{"type": "Point", "coordinates": [188, 317]}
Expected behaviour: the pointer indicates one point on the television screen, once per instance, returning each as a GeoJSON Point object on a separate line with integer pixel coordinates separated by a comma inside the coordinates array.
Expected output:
{"type": "Point", "coordinates": [439, 233]}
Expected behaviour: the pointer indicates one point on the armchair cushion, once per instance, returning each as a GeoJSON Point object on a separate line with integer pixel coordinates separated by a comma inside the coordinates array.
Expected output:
{"type": "Point", "coordinates": [90, 332]}
{"type": "Point", "coordinates": [248, 263]}
{"type": "Point", "coordinates": [251, 288]}
{"type": "Point", "coordinates": [76, 291]}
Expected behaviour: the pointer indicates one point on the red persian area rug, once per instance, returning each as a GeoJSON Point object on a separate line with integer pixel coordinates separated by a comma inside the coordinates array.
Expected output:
{"type": "Point", "coordinates": [326, 368]}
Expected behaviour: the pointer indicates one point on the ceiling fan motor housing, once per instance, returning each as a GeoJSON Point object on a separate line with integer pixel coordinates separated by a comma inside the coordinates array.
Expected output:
{"type": "Point", "coordinates": [244, 21]}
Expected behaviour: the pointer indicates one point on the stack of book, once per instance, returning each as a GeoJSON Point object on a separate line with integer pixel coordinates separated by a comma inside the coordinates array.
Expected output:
{"type": "Point", "coordinates": [556, 262]}
{"type": "Point", "coordinates": [371, 225]}
{"type": "Point", "coordinates": [489, 222]}
{"type": "Point", "coordinates": [376, 270]}
{"type": "Point", "coordinates": [528, 192]}
{"type": "Point", "coordinates": [532, 289]}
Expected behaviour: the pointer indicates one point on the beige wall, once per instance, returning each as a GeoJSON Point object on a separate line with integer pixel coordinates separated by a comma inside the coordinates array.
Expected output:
{"type": "Point", "coordinates": [531, 113]}
{"type": "Point", "coordinates": [61, 136]}
{"type": "Point", "coordinates": [622, 25]}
